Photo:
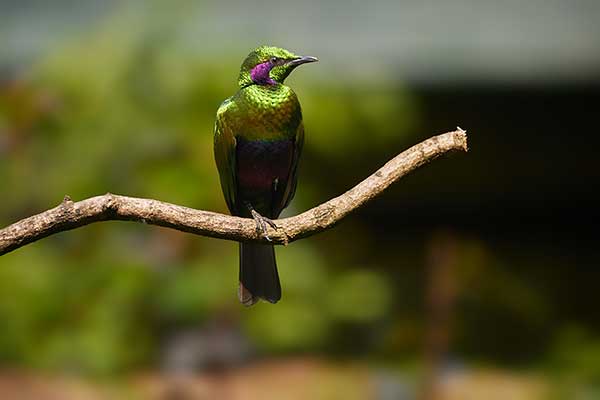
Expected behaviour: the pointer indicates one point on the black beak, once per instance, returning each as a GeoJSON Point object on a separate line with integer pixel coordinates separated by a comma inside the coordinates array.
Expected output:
{"type": "Point", "coordinates": [302, 60]}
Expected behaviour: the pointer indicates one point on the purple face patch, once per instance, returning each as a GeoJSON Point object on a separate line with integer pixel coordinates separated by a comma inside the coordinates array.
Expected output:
{"type": "Point", "coordinates": [260, 74]}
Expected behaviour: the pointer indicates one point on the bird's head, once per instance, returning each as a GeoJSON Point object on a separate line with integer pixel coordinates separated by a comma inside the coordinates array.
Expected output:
{"type": "Point", "coordinates": [268, 65]}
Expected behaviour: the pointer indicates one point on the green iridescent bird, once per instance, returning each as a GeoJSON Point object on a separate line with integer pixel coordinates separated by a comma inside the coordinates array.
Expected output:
{"type": "Point", "coordinates": [258, 141]}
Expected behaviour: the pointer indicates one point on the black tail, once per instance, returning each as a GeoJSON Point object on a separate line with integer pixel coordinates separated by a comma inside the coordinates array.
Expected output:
{"type": "Point", "coordinates": [258, 274]}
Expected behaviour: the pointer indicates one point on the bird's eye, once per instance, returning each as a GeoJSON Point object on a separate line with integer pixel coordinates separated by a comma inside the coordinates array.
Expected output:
{"type": "Point", "coordinates": [273, 60]}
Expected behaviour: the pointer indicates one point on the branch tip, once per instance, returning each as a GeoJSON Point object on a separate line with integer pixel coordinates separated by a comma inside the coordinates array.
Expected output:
{"type": "Point", "coordinates": [461, 136]}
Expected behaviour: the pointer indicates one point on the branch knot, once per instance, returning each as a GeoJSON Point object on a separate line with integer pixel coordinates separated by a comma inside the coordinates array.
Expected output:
{"type": "Point", "coordinates": [110, 204]}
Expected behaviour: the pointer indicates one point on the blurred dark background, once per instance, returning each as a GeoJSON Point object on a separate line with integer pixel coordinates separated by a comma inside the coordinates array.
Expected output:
{"type": "Point", "coordinates": [474, 277]}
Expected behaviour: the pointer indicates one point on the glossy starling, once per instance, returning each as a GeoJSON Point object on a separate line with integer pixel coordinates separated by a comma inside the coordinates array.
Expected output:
{"type": "Point", "coordinates": [258, 141]}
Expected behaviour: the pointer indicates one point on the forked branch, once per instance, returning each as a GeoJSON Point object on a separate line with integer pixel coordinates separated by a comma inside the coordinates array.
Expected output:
{"type": "Point", "coordinates": [109, 207]}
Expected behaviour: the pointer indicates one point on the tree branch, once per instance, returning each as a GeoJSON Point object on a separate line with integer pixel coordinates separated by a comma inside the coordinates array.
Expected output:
{"type": "Point", "coordinates": [109, 207]}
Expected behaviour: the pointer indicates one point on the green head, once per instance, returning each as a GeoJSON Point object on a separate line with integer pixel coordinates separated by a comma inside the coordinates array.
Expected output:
{"type": "Point", "coordinates": [269, 66]}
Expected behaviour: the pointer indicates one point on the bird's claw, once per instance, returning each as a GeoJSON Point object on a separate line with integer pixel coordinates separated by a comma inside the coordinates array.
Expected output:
{"type": "Point", "coordinates": [261, 224]}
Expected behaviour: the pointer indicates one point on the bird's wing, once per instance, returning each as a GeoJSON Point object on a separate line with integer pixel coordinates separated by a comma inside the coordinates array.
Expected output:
{"type": "Point", "coordinates": [292, 181]}
{"type": "Point", "coordinates": [225, 155]}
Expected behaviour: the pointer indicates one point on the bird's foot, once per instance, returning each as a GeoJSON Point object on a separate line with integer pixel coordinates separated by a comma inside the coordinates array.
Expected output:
{"type": "Point", "coordinates": [262, 222]}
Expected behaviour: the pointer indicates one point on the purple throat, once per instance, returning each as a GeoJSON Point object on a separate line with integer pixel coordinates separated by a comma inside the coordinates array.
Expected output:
{"type": "Point", "coordinates": [260, 74]}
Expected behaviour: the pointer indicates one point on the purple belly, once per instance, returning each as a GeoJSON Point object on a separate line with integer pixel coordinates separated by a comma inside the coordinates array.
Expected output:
{"type": "Point", "coordinates": [261, 165]}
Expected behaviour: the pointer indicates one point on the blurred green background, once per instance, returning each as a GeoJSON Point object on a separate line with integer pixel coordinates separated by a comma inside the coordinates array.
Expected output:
{"type": "Point", "coordinates": [475, 274]}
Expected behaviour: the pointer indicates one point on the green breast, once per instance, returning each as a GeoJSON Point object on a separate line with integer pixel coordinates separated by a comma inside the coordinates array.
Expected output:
{"type": "Point", "coordinates": [266, 112]}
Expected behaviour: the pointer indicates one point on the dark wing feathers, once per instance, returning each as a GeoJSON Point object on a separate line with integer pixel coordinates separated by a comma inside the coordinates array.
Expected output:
{"type": "Point", "coordinates": [292, 180]}
{"type": "Point", "coordinates": [224, 148]}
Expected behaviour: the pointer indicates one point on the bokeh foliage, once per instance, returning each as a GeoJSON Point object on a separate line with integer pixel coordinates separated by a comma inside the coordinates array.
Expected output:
{"type": "Point", "coordinates": [127, 109]}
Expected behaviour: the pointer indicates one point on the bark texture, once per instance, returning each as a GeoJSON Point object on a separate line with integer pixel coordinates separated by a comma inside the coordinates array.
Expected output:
{"type": "Point", "coordinates": [109, 207]}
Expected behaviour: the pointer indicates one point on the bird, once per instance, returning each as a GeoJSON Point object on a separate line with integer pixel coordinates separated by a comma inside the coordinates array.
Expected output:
{"type": "Point", "coordinates": [258, 140]}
